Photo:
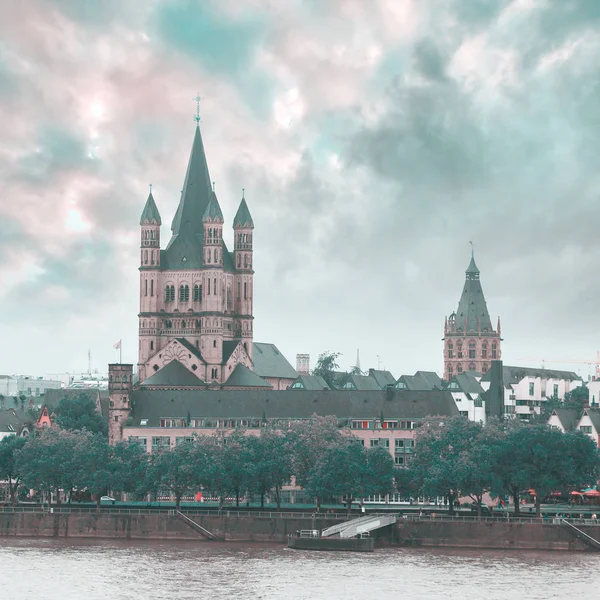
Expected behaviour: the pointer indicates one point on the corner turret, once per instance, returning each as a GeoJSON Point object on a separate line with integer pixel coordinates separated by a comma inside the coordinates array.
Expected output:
{"type": "Point", "coordinates": [212, 220]}
{"type": "Point", "coordinates": [120, 385]}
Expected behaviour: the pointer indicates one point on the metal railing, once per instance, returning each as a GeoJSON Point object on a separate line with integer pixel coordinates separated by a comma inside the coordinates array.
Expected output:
{"type": "Point", "coordinates": [62, 510]}
{"type": "Point", "coordinates": [489, 519]}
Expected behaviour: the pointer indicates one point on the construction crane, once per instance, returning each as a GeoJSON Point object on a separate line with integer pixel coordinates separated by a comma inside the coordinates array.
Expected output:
{"type": "Point", "coordinates": [575, 361]}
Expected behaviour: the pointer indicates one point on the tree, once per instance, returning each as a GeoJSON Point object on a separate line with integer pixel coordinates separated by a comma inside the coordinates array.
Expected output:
{"type": "Point", "coordinates": [80, 413]}
{"type": "Point", "coordinates": [308, 441]}
{"type": "Point", "coordinates": [236, 463]}
{"type": "Point", "coordinates": [444, 461]}
{"type": "Point", "coordinates": [9, 446]}
{"type": "Point", "coordinates": [271, 464]}
{"type": "Point", "coordinates": [326, 367]}
{"type": "Point", "coordinates": [379, 473]}
{"type": "Point", "coordinates": [97, 468]}
{"type": "Point", "coordinates": [177, 469]}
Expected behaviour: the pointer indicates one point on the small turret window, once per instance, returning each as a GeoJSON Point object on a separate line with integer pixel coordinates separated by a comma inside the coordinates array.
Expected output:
{"type": "Point", "coordinates": [484, 350]}
{"type": "Point", "coordinates": [215, 292]}
{"type": "Point", "coordinates": [216, 256]}
{"type": "Point", "coordinates": [208, 291]}
{"type": "Point", "coordinates": [152, 287]}
{"type": "Point", "coordinates": [245, 260]}
{"type": "Point", "coordinates": [471, 349]}
{"type": "Point", "coordinates": [208, 255]}
{"type": "Point", "coordinates": [124, 380]}
{"type": "Point", "coordinates": [450, 350]}
{"type": "Point", "coordinates": [450, 371]}
{"type": "Point", "coordinates": [145, 287]}
{"type": "Point", "coordinates": [494, 352]}
{"type": "Point", "coordinates": [145, 257]}
{"type": "Point", "coordinates": [151, 345]}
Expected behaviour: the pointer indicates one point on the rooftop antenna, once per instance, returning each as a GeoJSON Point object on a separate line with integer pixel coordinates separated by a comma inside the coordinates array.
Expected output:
{"type": "Point", "coordinates": [89, 362]}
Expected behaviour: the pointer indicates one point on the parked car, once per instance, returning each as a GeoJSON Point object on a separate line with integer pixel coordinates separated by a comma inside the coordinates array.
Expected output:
{"type": "Point", "coordinates": [107, 499]}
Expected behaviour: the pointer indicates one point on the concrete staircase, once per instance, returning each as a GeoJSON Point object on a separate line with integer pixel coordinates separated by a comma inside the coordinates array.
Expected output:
{"type": "Point", "coordinates": [361, 525]}
{"type": "Point", "coordinates": [584, 537]}
{"type": "Point", "coordinates": [196, 526]}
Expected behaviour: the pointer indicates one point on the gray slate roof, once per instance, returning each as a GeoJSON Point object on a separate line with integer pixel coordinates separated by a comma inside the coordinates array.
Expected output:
{"type": "Point", "coordinates": [150, 213]}
{"type": "Point", "coordinates": [213, 211]}
{"type": "Point", "coordinates": [269, 362]}
{"type": "Point", "coordinates": [10, 422]}
{"type": "Point", "coordinates": [568, 417]}
{"type": "Point", "coordinates": [311, 382]}
{"type": "Point", "coordinates": [432, 379]}
{"type": "Point", "coordinates": [242, 216]}
{"type": "Point", "coordinates": [175, 375]}
{"type": "Point", "coordinates": [512, 375]}
{"type": "Point", "coordinates": [361, 382]}
{"type": "Point", "coordinates": [242, 376]}
{"type": "Point", "coordinates": [594, 416]}
{"type": "Point", "coordinates": [421, 381]}
{"type": "Point", "coordinates": [468, 384]}
{"type": "Point", "coordinates": [289, 404]}
{"type": "Point", "coordinates": [472, 305]}
{"type": "Point", "coordinates": [383, 378]}
{"type": "Point", "coordinates": [192, 349]}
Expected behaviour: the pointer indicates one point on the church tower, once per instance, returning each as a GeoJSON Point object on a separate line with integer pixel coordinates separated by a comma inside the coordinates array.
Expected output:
{"type": "Point", "coordinates": [470, 341]}
{"type": "Point", "coordinates": [195, 295]}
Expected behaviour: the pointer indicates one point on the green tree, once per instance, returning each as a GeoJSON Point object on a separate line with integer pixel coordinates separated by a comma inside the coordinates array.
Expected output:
{"type": "Point", "coordinates": [327, 366]}
{"type": "Point", "coordinates": [379, 473]}
{"type": "Point", "coordinates": [176, 469]}
{"type": "Point", "coordinates": [9, 470]}
{"type": "Point", "coordinates": [235, 462]}
{"type": "Point", "coordinates": [129, 468]}
{"type": "Point", "coordinates": [97, 468]}
{"type": "Point", "coordinates": [444, 459]}
{"type": "Point", "coordinates": [80, 413]}
{"type": "Point", "coordinates": [308, 441]}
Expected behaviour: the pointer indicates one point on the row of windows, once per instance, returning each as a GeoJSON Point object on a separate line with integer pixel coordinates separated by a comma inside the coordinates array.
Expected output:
{"type": "Point", "coordinates": [247, 261]}
{"type": "Point", "coordinates": [214, 235]}
{"type": "Point", "coordinates": [149, 234]}
{"type": "Point", "coordinates": [377, 424]}
{"type": "Point", "coordinates": [472, 350]}
{"type": "Point", "coordinates": [152, 256]}
{"type": "Point", "coordinates": [470, 367]}
{"type": "Point", "coordinates": [209, 256]}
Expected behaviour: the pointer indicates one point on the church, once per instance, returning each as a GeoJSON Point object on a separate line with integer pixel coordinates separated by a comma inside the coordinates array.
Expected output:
{"type": "Point", "coordinates": [196, 296]}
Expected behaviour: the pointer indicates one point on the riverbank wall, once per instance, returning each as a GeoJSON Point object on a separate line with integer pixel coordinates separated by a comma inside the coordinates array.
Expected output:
{"type": "Point", "coordinates": [496, 535]}
{"type": "Point", "coordinates": [160, 526]}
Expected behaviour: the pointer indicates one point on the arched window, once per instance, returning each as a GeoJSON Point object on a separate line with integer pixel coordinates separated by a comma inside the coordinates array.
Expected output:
{"type": "Point", "coordinates": [484, 368]}
{"type": "Point", "coordinates": [151, 345]}
{"type": "Point", "coordinates": [494, 351]}
{"type": "Point", "coordinates": [124, 379]}
{"type": "Point", "coordinates": [208, 290]}
{"type": "Point", "coordinates": [459, 349]}
{"type": "Point", "coordinates": [198, 324]}
{"type": "Point", "coordinates": [184, 292]}
{"type": "Point", "coordinates": [168, 324]}
{"type": "Point", "coordinates": [450, 372]}
{"type": "Point", "coordinates": [471, 366]}
{"type": "Point", "coordinates": [152, 234]}
{"type": "Point", "coordinates": [152, 257]}
{"type": "Point", "coordinates": [471, 349]}
{"type": "Point", "coordinates": [182, 324]}
{"type": "Point", "coordinates": [450, 350]}
{"type": "Point", "coordinates": [216, 255]}
{"type": "Point", "coordinates": [152, 287]}
{"type": "Point", "coordinates": [215, 292]}
{"type": "Point", "coordinates": [145, 287]}
{"type": "Point", "coordinates": [170, 293]}
{"type": "Point", "coordinates": [245, 291]}
{"type": "Point", "coordinates": [239, 261]}
{"type": "Point", "coordinates": [245, 260]}
{"type": "Point", "coordinates": [459, 368]}
{"type": "Point", "coordinates": [145, 257]}
{"type": "Point", "coordinates": [484, 350]}
{"type": "Point", "coordinates": [208, 255]}
{"type": "Point", "coordinates": [198, 293]}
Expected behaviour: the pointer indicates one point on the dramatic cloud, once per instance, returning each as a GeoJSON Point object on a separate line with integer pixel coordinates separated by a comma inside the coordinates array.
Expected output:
{"type": "Point", "coordinates": [374, 140]}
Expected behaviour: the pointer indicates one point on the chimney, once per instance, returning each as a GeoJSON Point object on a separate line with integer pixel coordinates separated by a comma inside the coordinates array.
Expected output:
{"type": "Point", "coordinates": [494, 407]}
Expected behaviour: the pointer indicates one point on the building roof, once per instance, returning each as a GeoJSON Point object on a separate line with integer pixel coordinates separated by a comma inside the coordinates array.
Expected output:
{"type": "Point", "coordinates": [467, 384]}
{"type": "Point", "coordinates": [432, 379]}
{"type": "Point", "coordinates": [242, 376]}
{"type": "Point", "coordinates": [228, 348]}
{"type": "Point", "coordinates": [150, 213]}
{"type": "Point", "coordinates": [472, 308]}
{"type": "Point", "coordinates": [290, 404]}
{"type": "Point", "coordinates": [594, 415]}
{"type": "Point", "coordinates": [173, 375]}
{"type": "Point", "coordinates": [512, 375]}
{"type": "Point", "coordinates": [568, 417]}
{"type": "Point", "coordinates": [310, 382]}
{"type": "Point", "coordinates": [213, 212]}
{"type": "Point", "coordinates": [360, 382]}
{"type": "Point", "coordinates": [420, 381]}
{"type": "Point", "coordinates": [10, 422]}
{"type": "Point", "coordinates": [242, 216]}
{"type": "Point", "coordinates": [269, 362]}
{"type": "Point", "coordinates": [383, 378]}
{"type": "Point", "coordinates": [189, 346]}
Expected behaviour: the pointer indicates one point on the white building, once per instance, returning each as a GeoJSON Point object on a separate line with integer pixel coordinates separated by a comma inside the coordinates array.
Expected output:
{"type": "Point", "coordinates": [526, 389]}
{"type": "Point", "coordinates": [25, 385]}
{"type": "Point", "coordinates": [468, 395]}
{"type": "Point", "coordinates": [590, 424]}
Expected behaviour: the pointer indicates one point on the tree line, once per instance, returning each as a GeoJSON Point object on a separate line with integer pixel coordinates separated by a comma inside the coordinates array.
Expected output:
{"type": "Point", "coordinates": [321, 458]}
{"type": "Point", "coordinates": [457, 457]}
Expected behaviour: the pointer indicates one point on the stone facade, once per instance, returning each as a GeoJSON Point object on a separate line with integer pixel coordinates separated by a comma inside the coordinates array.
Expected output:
{"type": "Point", "coordinates": [120, 385]}
{"type": "Point", "coordinates": [470, 341]}
{"type": "Point", "coordinates": [196, 291]}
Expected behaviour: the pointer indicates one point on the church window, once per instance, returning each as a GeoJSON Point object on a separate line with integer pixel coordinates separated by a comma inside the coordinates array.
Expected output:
{"type": "Point", "coordinates": [208, 255]}
{"type": "Point", "coordinates": [459, 368]}
{"type": "Point", "coordinates": [151, 345]}
{"type": "Point", "coordinates": [184, 293]}
{"type": "Point", "coordinates": [168, 324]}
{"type": "Point", "coordinates": [198, 292]}
{"type": "Point", "coordinates": [124, 379]}
{"type": "Point", "coordinates": [239, 261]}
{"type": "Point", "coordinates": [450, 371]}
{"type": "Point", "coordinates": [208, 291]}
{"type": "Point", "coordinates": [245, 291]}
{"type": "Point", "coordinates": [245, 260]}
{"type": "Point", "coordinates": [214, 343]}
{"type": "Point", "coordinates": [484, 368]}
{"type": "Point", "coordinates": [152, 257]}
{"type": "Point", "coordinates": [239, 288]}
{"type": "Point", "coordinates": [459, 350]}
{"type": "Point", "coordinates": [145, 257]}
{"type": "Point", "coordinates": [216, 255]}
{"type": "Point", "coordinates": [215, 292]}
{"type": "Point", "coordinates": [145, 287]}
{"type": "Point", "coordinates": [182, 324]}
{"type": "Point", "coordinates": [152, 287]}
{"type": "Point", "coordinates": [494, 352]}
{"type": "Point", "coordinates": [170, 293]}
{"type": "Point", "coordinates": [450, 350]}
{"type": "Point", "coordinates": [471, 349]}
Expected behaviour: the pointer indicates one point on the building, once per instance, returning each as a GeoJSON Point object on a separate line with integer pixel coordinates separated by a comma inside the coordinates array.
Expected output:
{"type": "Point", "coordinates": [469, 396]}
{"type": "Point", "coordinates": [25, 385]}
{"type": "Point", "coordinates": [420, 381]}
{"type": "Point", "coordinates": [196, 297]}
{"type": "Point", "coordinates": [161, 418]}
{"type": "Point", "coordinates": [589, 423]}
{"type": "Point", "coordinates": [564, 419]}
{"type": "Point", "coordinates": [526, 389]}
{"type": "Point", "coordinates": [303, 364]}
{"type": "Point", "coordinates": [470, 341]}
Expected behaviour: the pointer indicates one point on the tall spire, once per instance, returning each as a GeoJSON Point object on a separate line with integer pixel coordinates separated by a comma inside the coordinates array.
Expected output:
{"type": "Point", "coordinates": [213, 212]}
{"type": "Point", "coordinates": [150, 212]}
{"type": "Point", "coordinates": [472, 313]}
{"type": "Point", "coordinates": [472, 271]}
{"type": "Point", "coordinates": [242, 216]}
{"type": "Point", "coordinates": [196, 192]}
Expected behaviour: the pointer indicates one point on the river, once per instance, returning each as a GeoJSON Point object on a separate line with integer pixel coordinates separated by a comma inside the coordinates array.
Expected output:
{"type": "Point", "coordinates": [63, 570]}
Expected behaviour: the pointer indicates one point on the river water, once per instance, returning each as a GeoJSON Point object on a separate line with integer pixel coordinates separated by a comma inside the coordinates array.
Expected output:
{"type": "Point", "coordinates": [60, 570]}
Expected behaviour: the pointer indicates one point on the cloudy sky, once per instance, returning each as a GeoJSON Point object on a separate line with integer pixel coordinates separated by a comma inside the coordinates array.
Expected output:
{"type": "Point", "coordinates": [374, 139]}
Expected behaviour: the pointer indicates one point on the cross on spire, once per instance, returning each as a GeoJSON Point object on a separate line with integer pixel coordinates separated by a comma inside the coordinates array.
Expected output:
{"type": "Point", "coordinates": [197, 115]}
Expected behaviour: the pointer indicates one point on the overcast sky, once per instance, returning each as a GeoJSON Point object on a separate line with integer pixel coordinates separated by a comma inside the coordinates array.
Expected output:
{"type": "Point", "coordinates": [374, 139]}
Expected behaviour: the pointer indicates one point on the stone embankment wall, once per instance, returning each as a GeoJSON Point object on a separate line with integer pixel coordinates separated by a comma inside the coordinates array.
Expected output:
{"type": "Point", "coordinates": [488, 535]}
{"type": "Point", "coordinates": [152, 526]}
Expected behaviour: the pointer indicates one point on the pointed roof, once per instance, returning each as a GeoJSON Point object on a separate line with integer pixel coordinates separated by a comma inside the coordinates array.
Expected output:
{"type": "Point", "coordinates": [242, 216]}
{"type": "Point", "coordinates": [196, 192]}
{"type": "Point", "coordinates": [213, 211]}
{"type": "Point", "coordinates": [150, 212]}
{"type": "Point", "coordinates": [472, 307]}
{"type": "Point", "coordinates": [173, 374]}
{"type": "Point", "coordinates": [242, 376]}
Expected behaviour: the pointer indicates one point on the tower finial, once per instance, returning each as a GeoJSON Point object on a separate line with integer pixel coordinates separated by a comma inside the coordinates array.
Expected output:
{"type": "Point", "coordinates": [243, 193]}
{"type": "Point", "coordinates": [213, 186]}
{"type": "Point", "coordinates": [197, 115]}
{"type": "Point", "coordinates": [151, 188]}
{"type": "Point", "coordinates": [472, 250]}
